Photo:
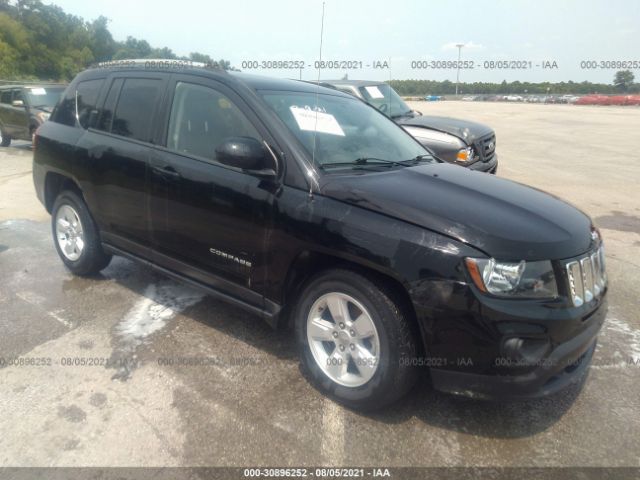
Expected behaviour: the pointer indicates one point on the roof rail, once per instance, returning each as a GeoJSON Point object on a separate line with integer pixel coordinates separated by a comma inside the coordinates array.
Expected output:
{"type": "Point", "coordinates": [167, 63]}
{"type": "Point", "coordinates": [28, 82]}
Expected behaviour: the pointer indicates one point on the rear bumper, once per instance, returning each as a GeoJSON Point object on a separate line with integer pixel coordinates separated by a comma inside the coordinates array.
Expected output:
{"type": "Point", "coordinates": [38, 173]}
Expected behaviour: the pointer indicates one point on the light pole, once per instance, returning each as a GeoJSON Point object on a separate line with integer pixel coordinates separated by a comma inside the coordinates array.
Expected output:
{"type": "Point", "coordinates": [459, 45]}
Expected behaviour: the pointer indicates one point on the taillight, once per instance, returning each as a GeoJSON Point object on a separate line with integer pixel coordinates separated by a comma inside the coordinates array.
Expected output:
{"type": "Point", "coordinates": [34, 140]}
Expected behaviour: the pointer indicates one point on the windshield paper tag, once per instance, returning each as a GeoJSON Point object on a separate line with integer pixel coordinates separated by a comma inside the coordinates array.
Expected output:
{"type": "Point", "coordinates": [374, 92]}
{"type": "Point", "coordinates": [311, 120]}
{"type": "Point", "coordinates": [38, 91]}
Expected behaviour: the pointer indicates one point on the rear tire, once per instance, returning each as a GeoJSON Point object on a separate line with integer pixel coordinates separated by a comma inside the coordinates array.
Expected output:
{"type": "Point", "coordinates": [356, 342]}
{"type": "Point", "coordinates": [76, 236]}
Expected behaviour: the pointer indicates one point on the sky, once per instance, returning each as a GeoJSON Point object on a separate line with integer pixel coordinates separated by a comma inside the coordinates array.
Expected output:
{"type": "Point", "coordinates": [368, 33]}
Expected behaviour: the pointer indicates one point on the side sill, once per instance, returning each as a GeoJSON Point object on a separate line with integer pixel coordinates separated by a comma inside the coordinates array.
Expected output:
{"type": "Point", "coordinates": [270, 314]}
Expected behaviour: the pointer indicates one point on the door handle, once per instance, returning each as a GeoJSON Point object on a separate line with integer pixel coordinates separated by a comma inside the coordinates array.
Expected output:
{"type": "Point", "coordinates": [97, 151]}
{"type": "Point", "coordinates": [167, 171]}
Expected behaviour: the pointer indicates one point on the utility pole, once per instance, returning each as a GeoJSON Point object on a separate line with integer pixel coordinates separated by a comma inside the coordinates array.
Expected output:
{"type": "Point", "coordinates": [459, 45]}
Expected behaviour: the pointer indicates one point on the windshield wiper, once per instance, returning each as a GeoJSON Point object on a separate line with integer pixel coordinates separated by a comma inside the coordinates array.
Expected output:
{"type": "Point", "coordinates": [416, 159]}
{"type": "Point", "coordinates": [375, 162]}
{"type": "Point", "coordinates": [363, 162]}
{"type": "Point", "coordinates": [408, 113]}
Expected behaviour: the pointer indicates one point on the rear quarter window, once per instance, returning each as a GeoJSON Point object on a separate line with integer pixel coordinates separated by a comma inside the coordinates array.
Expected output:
{"type": "Point", "coordinates": [88, 92]}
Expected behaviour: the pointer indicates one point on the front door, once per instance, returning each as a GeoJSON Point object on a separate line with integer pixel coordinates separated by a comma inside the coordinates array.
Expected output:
{"type": "Point", "coordinates": [18, 118]}
{"type": "Point", "coordinates": [209, 221]}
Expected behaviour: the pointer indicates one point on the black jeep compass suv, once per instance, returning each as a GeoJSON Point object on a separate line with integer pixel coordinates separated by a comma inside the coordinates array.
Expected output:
{"type": "Point", "coordinates": [314, 210]}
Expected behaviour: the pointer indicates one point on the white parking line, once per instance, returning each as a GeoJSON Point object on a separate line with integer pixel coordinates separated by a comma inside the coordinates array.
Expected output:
{"type": "Point", "coordinates": [36, 300]}
{"type": "Point", "coordinates": [56, 315]}
{"type": "Point", "coordinates": [332, 433]}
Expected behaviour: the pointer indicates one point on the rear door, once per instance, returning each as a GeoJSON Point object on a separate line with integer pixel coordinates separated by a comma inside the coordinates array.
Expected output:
{"type": "Point", "coordinates": [116, 151]}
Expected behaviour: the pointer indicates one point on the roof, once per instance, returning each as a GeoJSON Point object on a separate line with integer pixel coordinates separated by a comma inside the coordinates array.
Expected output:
{"type": "Point", "coordinates": [354, 83]}
{"type": "Point", "coordinates": [254, 82]}
{"type": "Point", "coordinates": [258, 82]}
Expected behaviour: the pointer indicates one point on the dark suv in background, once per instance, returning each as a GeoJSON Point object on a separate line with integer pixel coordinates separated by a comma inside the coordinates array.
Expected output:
{"type": "Point", "coordinates": [462, 142]}
{"type": "Point", "coordinates": [23, 108]}
{"type": "Point", "coordinates": [308, 207]}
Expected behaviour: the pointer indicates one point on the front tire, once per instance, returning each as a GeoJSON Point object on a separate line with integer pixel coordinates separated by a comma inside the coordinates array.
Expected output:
{"type": "Point", "coordinates": [356, 342]}
{"type": "Point", "coordinates": [76, 236]}
{"type": "Point", "coordinates": [5, 139]}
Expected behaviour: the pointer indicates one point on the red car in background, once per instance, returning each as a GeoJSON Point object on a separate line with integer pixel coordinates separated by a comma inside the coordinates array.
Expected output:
{"type": "Point", "coordinates": [597, 99]}
{"type": "Point", "coordinates": [592, 100]}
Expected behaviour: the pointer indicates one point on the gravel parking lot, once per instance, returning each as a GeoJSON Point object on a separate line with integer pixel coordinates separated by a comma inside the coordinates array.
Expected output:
{"type": "Point", "coordinates": [101, 381]}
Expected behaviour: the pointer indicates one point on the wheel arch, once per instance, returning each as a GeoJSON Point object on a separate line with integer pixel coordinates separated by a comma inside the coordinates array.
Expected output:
{"type": "Point", "coordinates": [309, 264]}
{"type": "Point", "coordinates": [54, 183]}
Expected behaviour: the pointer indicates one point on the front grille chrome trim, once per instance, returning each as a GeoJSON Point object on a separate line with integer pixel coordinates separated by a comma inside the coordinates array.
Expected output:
{"type": "Point", "coordinates": [587, 277]}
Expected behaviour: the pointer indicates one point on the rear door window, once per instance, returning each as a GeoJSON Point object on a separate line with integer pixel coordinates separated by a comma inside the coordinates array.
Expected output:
{"type": "Point", "coordinates": [106, 117]}
{"type": "Point", "coordinates": [136, 107]}
{"type": "Point", "coordinates": [5, 97]}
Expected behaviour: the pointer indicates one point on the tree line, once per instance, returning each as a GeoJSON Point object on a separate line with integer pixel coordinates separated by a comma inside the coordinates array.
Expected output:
{"type": "Point", "coordinates": [42, 42]}
{"type": "Point", "coordinates": [623, 82]}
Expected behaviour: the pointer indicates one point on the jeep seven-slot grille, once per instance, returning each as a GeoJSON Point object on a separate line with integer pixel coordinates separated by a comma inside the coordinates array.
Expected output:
{"type": "Point", "coordinates": [587, 277]}
{"type": "Point", "coordinates": [488, 147]}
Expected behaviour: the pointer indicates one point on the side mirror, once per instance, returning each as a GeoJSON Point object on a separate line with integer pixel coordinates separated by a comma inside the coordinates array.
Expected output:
{"type": "Point", "coordinates": [17, 103]}
{"type": "Point", "coordinates": [248, 154]}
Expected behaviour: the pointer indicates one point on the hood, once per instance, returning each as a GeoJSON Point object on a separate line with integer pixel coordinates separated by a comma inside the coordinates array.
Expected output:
{"type": "Point", "coordinates": [44, 108]}
{"type": "Point", "coordinates": [467, 131]}
{"type": "Point", "coordinates": [504, 219]}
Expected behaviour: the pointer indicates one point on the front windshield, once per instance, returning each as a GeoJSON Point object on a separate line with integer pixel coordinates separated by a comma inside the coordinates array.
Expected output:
{"type": "Point", "coordinates": [39, 97]}
{"type": "Point", "coordinates": [385, 99]}
{"type": "Point", "coordinates": [348, 132]}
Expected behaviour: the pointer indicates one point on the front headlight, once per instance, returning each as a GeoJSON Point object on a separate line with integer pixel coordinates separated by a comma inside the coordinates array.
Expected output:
{"type": "Point", "coordinates": [510, 279]}
{"type": "Point", "coordinates": [465, 155]}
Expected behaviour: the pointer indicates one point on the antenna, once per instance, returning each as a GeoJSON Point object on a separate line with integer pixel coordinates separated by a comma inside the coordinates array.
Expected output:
{"type": "Point", "coordinates": [315, 128]}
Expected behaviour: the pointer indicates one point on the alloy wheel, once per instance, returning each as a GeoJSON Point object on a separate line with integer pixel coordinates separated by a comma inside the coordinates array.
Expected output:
{"type": "Point", "coordinates": [343, 339]}
{"type": "Point", "coordinates": [69, 232]}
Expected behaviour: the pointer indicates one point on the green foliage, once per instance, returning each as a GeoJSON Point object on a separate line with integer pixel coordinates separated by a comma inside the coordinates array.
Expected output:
{"type": "Point", "coordinates": [42, 42]}
{"type": "Point", "coordinates": [200, 57]}
{"type": "Point", "coordinates": [623, 80]}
